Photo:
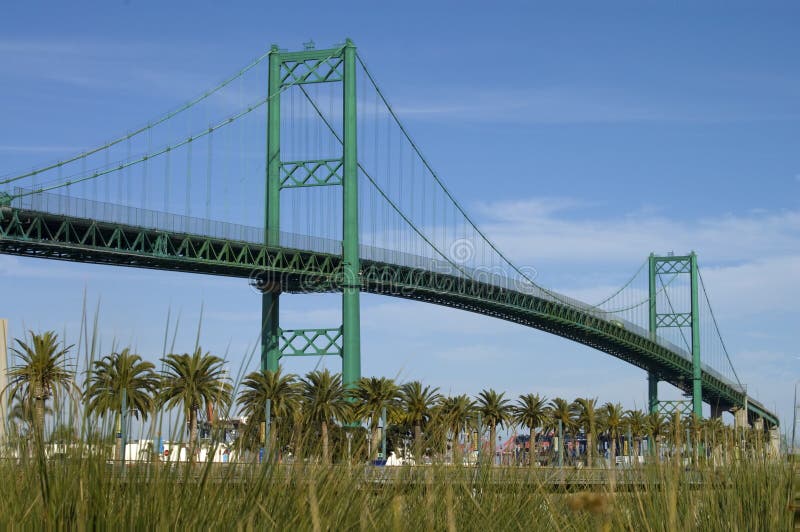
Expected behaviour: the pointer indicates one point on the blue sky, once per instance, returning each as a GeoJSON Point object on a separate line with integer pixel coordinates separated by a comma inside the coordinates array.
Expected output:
{"type": "Point", "coordinates": [581, 137]}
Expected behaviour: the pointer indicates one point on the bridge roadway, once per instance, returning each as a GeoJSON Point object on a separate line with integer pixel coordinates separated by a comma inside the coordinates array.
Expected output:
{"type": "Point", "coordinates": [315, 265]}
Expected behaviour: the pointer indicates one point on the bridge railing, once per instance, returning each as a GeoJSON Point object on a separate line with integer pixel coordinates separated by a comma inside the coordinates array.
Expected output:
{"type": "Point", "coordinates": [502, 278]}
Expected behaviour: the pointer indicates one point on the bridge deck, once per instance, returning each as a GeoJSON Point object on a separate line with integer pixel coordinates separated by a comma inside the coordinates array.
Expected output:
{"type": "Point", "coordinates": [57, 236]}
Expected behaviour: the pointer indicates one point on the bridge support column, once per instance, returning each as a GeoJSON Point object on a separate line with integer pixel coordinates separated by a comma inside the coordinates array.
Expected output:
{"type": "Point", "coordinates": [652, 391]}
{"type": "Point", "coordinates": [270, 299]}
{"type": "Point", "coordinates": [716, 411]}
{"type": "Point", "coordinates": [270, 331]}
{"type": "Point", "coordinates": [697, 372]}
{"type": "Point", "coordinates": [351, 286]}
{"type": "Point", "coordinates": [740, 418]}
{"type": "Point", "coordinates": [774, 449]}
{"type": "Point", "coordinates": [652, 377]}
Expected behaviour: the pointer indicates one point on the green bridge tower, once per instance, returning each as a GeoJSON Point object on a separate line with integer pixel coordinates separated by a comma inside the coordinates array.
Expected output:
{"type": "Point", "coordinates": [337, 65]}
{"type": "Point", "coordinates": [670, 317]}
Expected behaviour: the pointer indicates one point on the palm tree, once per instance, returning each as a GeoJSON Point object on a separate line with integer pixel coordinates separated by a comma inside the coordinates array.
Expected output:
{"type": "Point", "coordinates": [193, 381]}
{"type": "Point", "coordinates": [325, 401]}
{"type": "Point", "coordinates": [612, 419]}
{"type": "Point", "coordinates": [560, 410]}
{"type": "Point", "coordinates": [455, 412]}
{"type": "Point", "coordinates": [418, 402]}
{"type": "Point", "coordinates": [40, 375]}
{"type": "Point", "coordinates": [282, 390]}
{"type": "Point", "coordinates": [495, 410]}
{"type": "Point", "coordinates": [695, 424]}
{"type": "Point", "coordinates": [656, 425]}
{"type": "Point", "coordinates": [115, 373]}
{"type": "Point", "coordinates": [20, 418]}
{"type": "Point", "coordinates": [530, 411]}
{"type": "Point", "coordinates": [585, 411]}
{"type": "Point", "coordinates": [372, 395]}
{"type": "Point", "coordinates": [636, 421]}
{"type": "Point", "coordinates": [675, 430]}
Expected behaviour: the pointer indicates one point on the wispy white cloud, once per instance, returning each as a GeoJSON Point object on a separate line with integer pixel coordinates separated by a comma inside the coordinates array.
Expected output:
{"type": "Point", "coordinates": [571, 105]}
{"type": "Point", "coordinates": [750, 262]}
{"type": "Point", "coordinates": [769, 284]}
{"type": "Point", "coordinates": [540, 230]}
{"type": "Point", "coordinates": [110, 65]}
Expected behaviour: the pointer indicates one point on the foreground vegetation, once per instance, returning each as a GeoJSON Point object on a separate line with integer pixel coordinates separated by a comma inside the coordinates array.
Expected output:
{"type": "Point", "coordinates": [87, 493]}
{"type": "Point", "coordinates": [699, 475]}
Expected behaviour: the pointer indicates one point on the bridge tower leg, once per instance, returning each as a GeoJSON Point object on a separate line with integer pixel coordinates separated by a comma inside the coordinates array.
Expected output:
{"type": "Point", "coordinates": [287, 69]}
{"type": "Point", "coordinates": [697, 371]}
{"type": "Point", "coordinates": [652, 391]}
{"type": "Point", "coordinates": [670, 317]}
{"type": "Point", "coordinates": [652, 377]}
{"type": "Point", "coordinates": [351, 286]}
{"type": "Point", "coordinates": [270, 299]}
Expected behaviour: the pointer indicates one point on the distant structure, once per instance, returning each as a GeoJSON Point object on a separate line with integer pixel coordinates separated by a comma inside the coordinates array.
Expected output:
{"type": "Point", "coordinates": [3, 377]}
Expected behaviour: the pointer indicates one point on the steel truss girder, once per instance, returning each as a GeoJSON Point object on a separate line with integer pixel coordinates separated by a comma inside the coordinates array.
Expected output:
{"type": "Point", "coordinates": [310, 342]}
{"type": "Point", "coordinates": [39, 234]}
{"type": "Point", "coordinates": [312, 173]}
{"type": "Point", "coordinates": [44, 235]}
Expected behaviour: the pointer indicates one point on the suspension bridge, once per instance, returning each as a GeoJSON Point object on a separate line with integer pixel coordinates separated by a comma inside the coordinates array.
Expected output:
{"type": "Point", "coordinates": [296, 174]}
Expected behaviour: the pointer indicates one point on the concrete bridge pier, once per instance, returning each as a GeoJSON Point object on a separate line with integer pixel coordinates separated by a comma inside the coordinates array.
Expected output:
{"type": "Point", "coordinates": [716, 411]}
{"type": "Point", "coordinates": [740, 418]}
{"type": "Point", "coordinates": [774, 446]}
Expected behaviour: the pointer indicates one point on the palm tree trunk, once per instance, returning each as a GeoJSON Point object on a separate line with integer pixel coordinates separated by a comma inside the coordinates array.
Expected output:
{"type": "Point", "coordinates": [118, 437]}
{"type": "Point", "coordinates": [456, 448]}
{"type": "Point", "coordinates": [38, 411]}
{"type": "Point", "coordinates": [273, 439]}
{"type": "Point", "coordinates": [531, 447]}
{"type": "Point", "coordinates": [298, 436]}
{"type": "Point", "coordinates": [589, 448]}
{"type": "Point", "coordinates": [613, 450]}
{"type": "Point", "coordinates": [192, 433]}
{"type": "Point", "coordinates": [492, 443]}
{"type": "Point", "coordinates": [375, 442]}
{"type": "Point", "coordinates": [418, 442]}
{"type": "Point", "coordinates": [656, 449]}
{"type": "Point", "coordinates": [325, 442]}
{"type": "Point", "coordinates": [613, 473]}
